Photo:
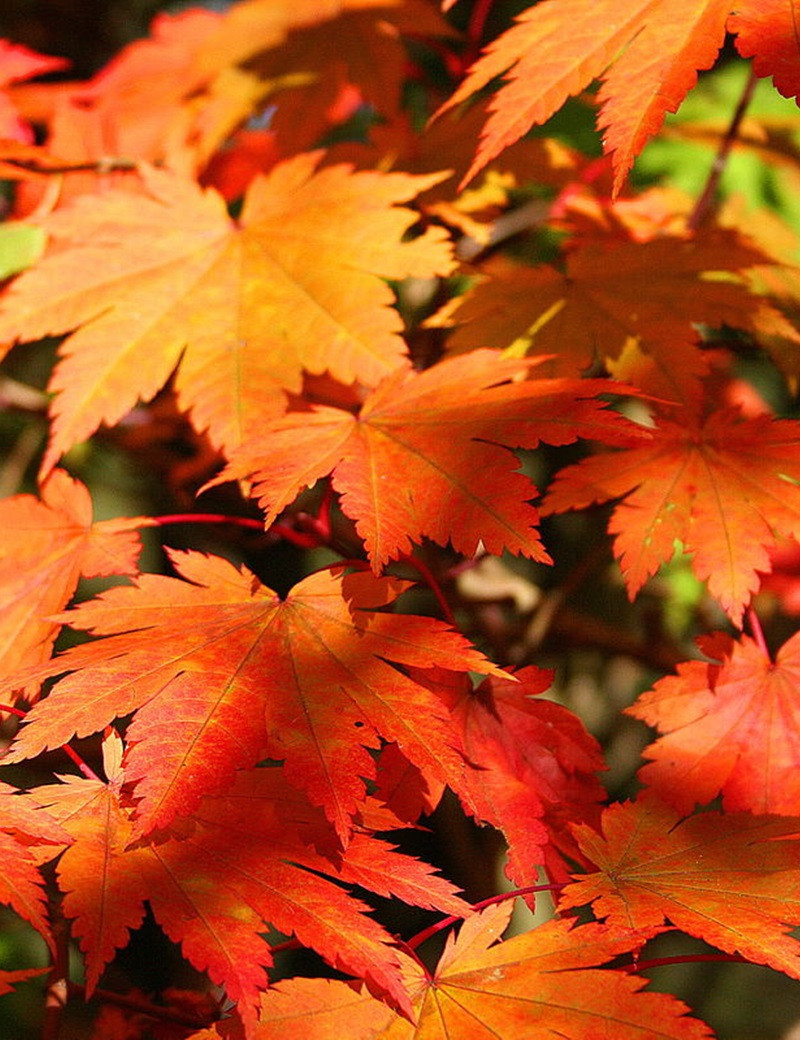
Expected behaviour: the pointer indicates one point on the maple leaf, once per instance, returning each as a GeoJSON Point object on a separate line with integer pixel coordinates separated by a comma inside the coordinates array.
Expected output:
{"type": "Point", "coordinates": [648, 53]}
{"type": "Point", "coordinates": [766, 31]}
{"type": "Point", "coordinates": [730, 879]}
{"type": "Point", "coordinates": [615, 289]}
{"type": "Point", "coordinates": [9, 979]}
{"type": "Point", "coordinates": [441, 429]}
{"type": "Point", "coordinates": [730, 727]}
{"type": "Point", "coordinates": [21, 885]}
{"type": "Point", "coordinates": [242, 863]}
{"type": "Point", "coordinates": [544, 983]}
{"type": "Point", "coordinates": [367, 67]}
{"type": "Point", "coordinates": [242, 309]}
{"type": "Point", "coordinates": [535, 766]}
{"type": "Point", "coordinates": [47, 545]}
{"type": "Point", "coordinates": [725, 486]}
{"type": "Point", "coordinates": [176, 96]}
{"type": "Point", "coordinates": [221, 671]}
{"type": "Point", "coordinates": [19, 63]}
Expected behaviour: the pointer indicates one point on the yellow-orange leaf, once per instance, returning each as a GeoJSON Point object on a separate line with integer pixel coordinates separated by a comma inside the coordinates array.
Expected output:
{"type": "Point", "coordinates": [168, 279]}
{"type": "Point", "coordinates": [540, 985]}
{"type": "Point", "coordinates": [615, 289]}
{"type": "Point", "coordinates": [46, 546]}
{"type": "Point", "coordinates": [730, 879]}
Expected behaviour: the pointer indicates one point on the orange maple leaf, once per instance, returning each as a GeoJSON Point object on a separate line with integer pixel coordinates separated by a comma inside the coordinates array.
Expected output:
{"type": "Point", "coordinates": [441, 429]}
{"type": "Point", "coordinates": [647, 52]}
{"type": "Point", "coordinates": [22, 829]}
{"type": "Point", "coordinates": [545, 983]}
{"type": "Point", "coordinates": [167, 279]}
{"type": "Point", "coordinates": [730, 879]}
{"type": "Point", "coordinates": [221, 672]}
{"type": "Point", "coordinates": [243, 862]}
{"type": "Point", "coordinates": [731, 727]}
{"type": "Point", "coordinates": [47, 545]}
{"type": "Point", "coordinates": [615, 289]}
{"type": "Point", "coordinates": [724, 486]}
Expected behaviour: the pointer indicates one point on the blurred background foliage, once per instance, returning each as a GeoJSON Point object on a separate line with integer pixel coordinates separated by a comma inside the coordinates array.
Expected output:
{"type": "Point", "coordinates": [574, 616]}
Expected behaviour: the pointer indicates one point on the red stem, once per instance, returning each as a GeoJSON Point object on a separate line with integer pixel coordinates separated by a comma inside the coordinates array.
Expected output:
{"type": "Point", "coordinates": [758, 632]}
{"type": "Point", "coordinates": [430, 580]}
{"type": "Point", "coordinates": [693, 958]}
{"type": "Point", "coordinates": [447, 922]}
{"type": "Point", "coordinates": [206, 518]}
{"type": "Point", "coordinates": [477, 23]}
{"type": "Point", "coordinates": [84, 767]}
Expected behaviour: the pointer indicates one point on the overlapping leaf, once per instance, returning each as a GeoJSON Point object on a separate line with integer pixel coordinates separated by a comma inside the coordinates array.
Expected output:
{"type": "Point", "coordinates": [46, 546]}
{"type": "Point", "coordinates": [730, 727]}
{"type": "Point", "coordinates": [766, 31]}
{"type": "Point", "coordinates": [20, 63]}
{"type": "Point", "coordinates": [534, 768]}
{"type": "Point", "coordinates": [615, 290]}
{"type": "Point", "coordinates": [21, 884]}
{"type": "Point", "coordinates": [652, 47]}
{"type": "Point", "coordinates": [241, 864]}
{"type": "Point", "coordinates": [723, 486]}
{"type": "Point", "coordinates": [443, 430]}
{"type": "Point", "coordinates": [220, 672]}
{"type": "Point", "coordinates": [730, 879]}
{"type": "Point", "coordinates": [168, 279]}
{"type": "Point", "coordinates": [543, 984]}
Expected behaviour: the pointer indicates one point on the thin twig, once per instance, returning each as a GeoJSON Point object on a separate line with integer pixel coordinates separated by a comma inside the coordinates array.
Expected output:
{"type": "Point", "coordinates": [705, 204]}
{"type": "Point", "coordinates": [430, 580]}
{"type": "Point", "coordinates": [145, 1007]}
{"type": "Point", "coordinates": [687, 958]}
{"type": "Point", "coordinates": [447, 922]}
{"type": "Point", "coordinates": [758, 632]}
{"type": "Point", "coordinates": [84, 767]}
{"type": "Point", "coordinates": [56, 994]}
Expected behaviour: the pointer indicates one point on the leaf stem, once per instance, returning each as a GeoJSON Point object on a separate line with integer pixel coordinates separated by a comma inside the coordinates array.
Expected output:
{"type": "Point", "coordinates": [477, 23]}
{"type": "Point", "coordinates": [430, 580]}
{"type": "Point", "coordinates": [206, 518]}
{"type": "Point", "coordinates": [84, 767]}
{"type": "Point", "coordinates": [144, 1007]}
{"type": "Point", "coordinates": [688, 958]}
{"type": "Point", "coordinates": [758, 633]}
{"type": "Point", "coordinates": [448, 922]}
{"type": "Point", "coordinates": [704, 205]}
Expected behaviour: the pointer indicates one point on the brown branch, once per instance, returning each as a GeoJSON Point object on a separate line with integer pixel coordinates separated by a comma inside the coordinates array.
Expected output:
{"type": "Point", "coordinates": [145, 1007]}
{"type": "Point", "coordinates": [705, 204]}
{"type": "Point", "coordinates": [55, 1000]}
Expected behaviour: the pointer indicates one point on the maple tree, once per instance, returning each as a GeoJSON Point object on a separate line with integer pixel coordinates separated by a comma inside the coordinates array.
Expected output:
{"type": "Point", "coordinates": [413, 399]}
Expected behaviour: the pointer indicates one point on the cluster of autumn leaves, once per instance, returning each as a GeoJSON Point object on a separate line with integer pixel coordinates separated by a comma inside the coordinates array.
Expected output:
{"type": "Point", "coordinates": [274, 743]}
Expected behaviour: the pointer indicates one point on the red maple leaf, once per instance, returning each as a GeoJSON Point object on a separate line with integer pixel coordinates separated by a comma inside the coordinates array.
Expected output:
{"type": "Point", "coordinates": [242, 862]}
{"type": "Point", "coordinates": [731, 727]}
{"type": "Point", "coordinates": [534, 766]}
{"type": "Point", "coordinates": [47, 545]}
{"type": "Point", "coordinates": [221, 672]}
{"type": "Point", "coordinates": [724, 486]}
